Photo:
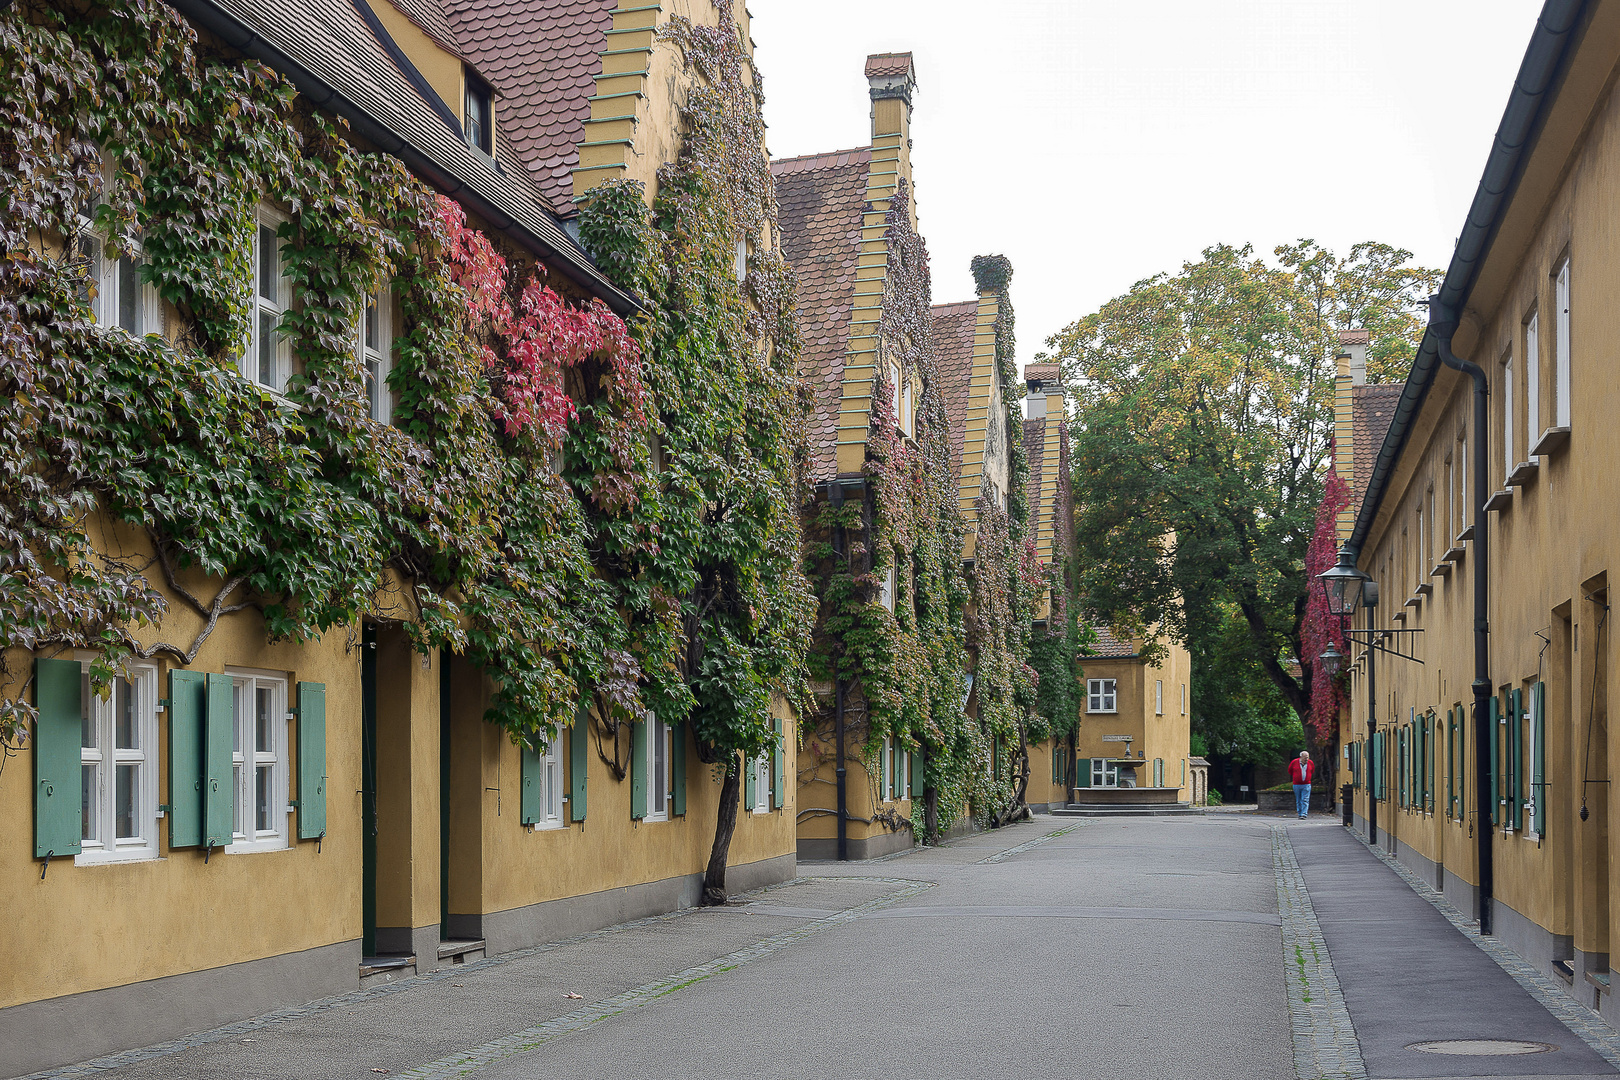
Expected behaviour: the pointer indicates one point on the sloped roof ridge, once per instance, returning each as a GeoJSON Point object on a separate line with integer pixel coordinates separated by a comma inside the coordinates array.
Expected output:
{"type": "Point", "coordinates": [956, 307]}
{"type": "Point", "coordinates": [829, 159]}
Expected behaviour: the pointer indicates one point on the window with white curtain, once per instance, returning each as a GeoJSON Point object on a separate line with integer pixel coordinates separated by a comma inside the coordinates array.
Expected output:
{"type": "Point", "coordinates": [1532, 380]}
{"type": "Point", "coordinates": [119, 768]}
{"type": "Point", "coordinates": [268, 360]}
{"type": "Point", "coordinates": [259, 762]}
{"type": "Point", "coordinates": [1507, 419]}
{"type": "Point", "coordinates": [376, 346]}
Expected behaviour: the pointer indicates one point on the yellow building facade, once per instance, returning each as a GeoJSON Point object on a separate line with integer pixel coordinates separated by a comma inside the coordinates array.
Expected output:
{"type": "Point", "coordinates": [1482, 761]}
{"type": "Point", "coordinates": [275, 821]}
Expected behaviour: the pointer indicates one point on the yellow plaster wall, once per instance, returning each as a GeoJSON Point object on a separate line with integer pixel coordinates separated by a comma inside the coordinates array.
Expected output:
{"type": "Point", "coordinates": [1164, 736]}
{"type": "Point", "coordinates": [1551, 546]}
{"type": "Point", "coordinates": [442, 69]}
{"type": "Point", "coordinates": [89, 927]}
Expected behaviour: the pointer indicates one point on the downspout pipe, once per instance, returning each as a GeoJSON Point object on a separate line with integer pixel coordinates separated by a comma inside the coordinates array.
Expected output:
{"type": "Point", "coordinates": [1442, 323]}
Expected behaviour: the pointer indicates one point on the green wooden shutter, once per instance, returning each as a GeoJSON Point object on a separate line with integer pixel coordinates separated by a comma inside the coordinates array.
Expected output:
{"type": "Point", "coordinates": [1425, 763]}
{"type": "Point", "coordinates": [1496, 760]}
{"type": "Point", "coordinates": [677, 795]}
{"type": "Point", "coordinates": [311, 760]}
{"type": "Point", "coordinates": [1082, 774]}
{"type": "Point", "coordinates": [219, 790]}
{"type": "Point", "coordinates": [638, 770]}
{"type": "Point", "coordinates": [529, 784]}
{"type": "Point", "coordinates": [1462, 763]}
{"type": "Point", "coordinates": [1517, 760]}
{"type": "Point", "coordinates": [779, 768]}
{"type": "Point", "coordinates": [918, 785]}
{"type": "Point", "coordinates": [188, 704]}
{"type": "Point", "coordinates": [58, 765]}
{"type": "Point", "coordinates": [579, 742]}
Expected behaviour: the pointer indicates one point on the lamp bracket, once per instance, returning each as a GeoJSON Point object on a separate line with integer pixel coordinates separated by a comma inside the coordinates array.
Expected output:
{"type": "Point", "coordinates": [1402, 643]}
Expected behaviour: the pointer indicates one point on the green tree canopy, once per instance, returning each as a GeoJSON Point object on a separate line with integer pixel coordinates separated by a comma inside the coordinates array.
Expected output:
{"type": "Point", "coordinates": [1203, 405]}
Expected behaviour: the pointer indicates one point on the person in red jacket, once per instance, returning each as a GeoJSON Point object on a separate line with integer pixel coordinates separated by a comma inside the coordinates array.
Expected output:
{"type": "Point", "coordinates": [1300, 771]}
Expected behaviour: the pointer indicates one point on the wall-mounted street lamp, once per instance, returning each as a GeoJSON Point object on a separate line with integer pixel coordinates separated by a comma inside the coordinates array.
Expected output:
{"type": "Point", "coordinates": [1347, 589]}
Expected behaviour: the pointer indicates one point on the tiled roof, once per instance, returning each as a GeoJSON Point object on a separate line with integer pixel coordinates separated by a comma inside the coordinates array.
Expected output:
{"type": "Point", "coordinates": [329, 41]}
{"type": "Point", "coordinates": [821, 199]}
{"type": "Point", "coordinates": [1040, 372]}
{"type": "Point", "coordinates": [879, 64]}
{"type": "Point", "coordinates": [1035, 453]}
{"type": "Point", "coordinates": [1355, 337]}
{"type": "Point", "coordinates": [1371, 410]}
{"type": "Point", "coordinates": [542, 57]}
{"type": "Point", "coordinates": [429, 17]}
{"type": "Point", "coordinates": [1107, 645]}
{"type": "Point", "coordinates": [954, 327]}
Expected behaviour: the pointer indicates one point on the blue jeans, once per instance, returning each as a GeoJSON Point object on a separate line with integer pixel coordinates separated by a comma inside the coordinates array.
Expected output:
{"type": "Point", "coordinates": [1302, 799]}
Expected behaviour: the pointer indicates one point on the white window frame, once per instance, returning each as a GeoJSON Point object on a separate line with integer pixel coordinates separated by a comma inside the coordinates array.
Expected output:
{"type": "Point", "coordinates": [1562, 347]}
{"type": "Point", "coordinates": [251, 364]}
{"type": "Point", "coordinates": [887, 768]}
{"type": "Point", "coordinates": [377, 358]}
{"type": "Point", "coordinates": [1183, 699]}
{"type": "Point", "coordinates": [660, 769]}
{"type": "Point", "coordinates": [1528, 763]}
{"type": "Point", "coordinates": [1158, 697]}
{"type": "Point", "coordinates": [105, 758]}
{"type": "Point", "coordinates": [762, 784]}
{"type": "Point", "coordinates": [1507, 420]}
{"type": "Point", "coordinates": [247, 760]}
{"type": "Point", "coordinates": [1532, 378]}
{"type": "Point", "coordinates": [1102, 696]}
{"type": "Point", "coordinates": [886, 588]}
{"type": "Point", "coordinates": [1103, 773]}
{"type": "Point", "coordinates": [1462, 483]}
{"type": "Point", "coordinates": [894, 392]}
{"type": "Point", "coordinates": [742, 259]}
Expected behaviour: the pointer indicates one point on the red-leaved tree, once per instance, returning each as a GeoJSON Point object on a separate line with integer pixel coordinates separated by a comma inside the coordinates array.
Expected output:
{"type": "Point", "coordinates": [1320, 628]}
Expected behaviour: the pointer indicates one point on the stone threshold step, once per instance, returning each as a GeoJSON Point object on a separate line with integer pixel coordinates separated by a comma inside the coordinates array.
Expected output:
{"type": "Point", "coordinates": [1126, 811]}
{"type": "Point", "coordinates": [461, 952]}
{"type": "Point", "coordinates": [382, 969]}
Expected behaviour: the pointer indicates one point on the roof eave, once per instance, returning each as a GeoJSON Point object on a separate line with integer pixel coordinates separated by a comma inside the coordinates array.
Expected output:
{"type": "Point", "coordinates": [1545, 62]}
{"type": "Point", "coordinates": [571, 260]}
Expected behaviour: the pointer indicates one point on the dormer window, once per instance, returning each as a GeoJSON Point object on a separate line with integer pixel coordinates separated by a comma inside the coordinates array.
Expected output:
{"type": "Point", "coordinates": [478, 120]}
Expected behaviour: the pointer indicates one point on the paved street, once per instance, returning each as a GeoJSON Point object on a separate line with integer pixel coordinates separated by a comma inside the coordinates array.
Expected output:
{"type": "Point", "coordinates": [1227, 946]}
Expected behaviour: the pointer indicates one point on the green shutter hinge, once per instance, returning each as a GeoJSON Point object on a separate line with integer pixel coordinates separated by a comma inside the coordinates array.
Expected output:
{"type": "Point", "coordinates": [162, 704]}
{"type": "Point", "coordinates": [163, 809]}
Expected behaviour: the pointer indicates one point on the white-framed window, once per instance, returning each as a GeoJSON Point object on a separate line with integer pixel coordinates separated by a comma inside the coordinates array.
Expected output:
{"type": "Point", "coordinates": [1183, 699]}
{"type": "Point", "coordinates": [551, 787]}
{"type": "Point", "coordinates": [268, 360]}
{"type": "Point", "coordinates": [1532, 379]}
{"type": "Point", "coordinates": [114, 291]}
{"type": "Point", "coordinates": [742, 258]}
{"type": "Point", "coordinates": [1463, 496]}
{"type": "Point", "coordinates": [1103, 773]}
{"type": "Point", "coordinates": [1561, 390]}
{"type": "Point", "coordinates": [888, 768]}
{"type": "Point", "coordinates": [886, 588]}
{"type": "Point", "coordinates": [762, 783]}
{"type": "Point", "coordinates": [478, 114]}
{"type": "Point", "coordinates": [1428, 538]}
{"type": "Point", "coordinates": [376, 351]}
{"type": "Point", "coordinates": [1507, 419]}
{"type": "Point", "coordinates": [908, 418]}
{"type": "Point", "coordinates": [1158, 697]}
{"type": "Point", "coordinates": [894, 392]}
{"type": "Point", "coordinates": [1451, 504]}
{"type": "Point", "coordinates": [660, 769]}
{"type": "Point", "coordinates": [259, 761]}
{"type": "Point", "coordinates": [119, 768]}
{"type": "Point", "coordinates": [1101, 696]}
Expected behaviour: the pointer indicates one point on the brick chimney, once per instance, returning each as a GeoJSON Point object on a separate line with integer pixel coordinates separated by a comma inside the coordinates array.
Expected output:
{"type": "Point", "coordinates": [891, 79]}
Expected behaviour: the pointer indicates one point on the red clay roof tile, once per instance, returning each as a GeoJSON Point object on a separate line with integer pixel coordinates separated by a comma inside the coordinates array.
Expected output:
{"type": "Point", "coordinates": [888, 64]}
{"type": "Point", "coordinates": [821, 199]}
{"type": "Point", "coordinates": [954, 327]}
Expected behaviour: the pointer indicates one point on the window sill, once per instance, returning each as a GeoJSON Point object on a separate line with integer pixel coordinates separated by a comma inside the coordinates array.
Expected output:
{"type": "Point", "coordinates": [1466, 535]}
{"type": "Point", "coordinates": [1442, 569]}
{"type": "Point", "coordinates": [1552, 440]}
{"type": "Point", "coordinates": [105, 857]}
{"type": "Point", "coordinates": [1397, 616]}
{"type": "Point", "coordinates": [554, 825]}
{"type": "Point", "coordinates": [1102, 712]}
{"type": "Point", "coordinates": [253, 847]}
{"type": "Point", "coordinates": [1455, 554]}
{"type": "Point", "coordinates": [1523, 473]}
{"type": "Point", "coordinates": [1499, 500]}
{"type": "Point", "coordinates": [1424, 589]}
{"type": "Point", "coordinates": [1413, 601]}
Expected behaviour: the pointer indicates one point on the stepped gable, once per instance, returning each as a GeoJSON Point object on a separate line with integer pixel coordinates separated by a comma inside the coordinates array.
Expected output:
{"type": "Point", "coordinates": [821, 199]}
{"type": "Point", "coordinates": [542, 57]}
{"type": "Point", "coordinates": [1371, 410]}
{"type": "Point", "coordinates": [954, 328]}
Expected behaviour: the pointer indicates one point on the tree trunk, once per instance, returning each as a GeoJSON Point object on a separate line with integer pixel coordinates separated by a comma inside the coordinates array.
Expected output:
{"type": "Point", "coordinates": [931, 817]}
{"type": "Point", "coordinates": [714, 879]}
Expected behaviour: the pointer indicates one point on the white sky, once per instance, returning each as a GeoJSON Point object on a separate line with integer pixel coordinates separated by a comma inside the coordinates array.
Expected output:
{"type": "Point", "coordinates": [1096, 144]}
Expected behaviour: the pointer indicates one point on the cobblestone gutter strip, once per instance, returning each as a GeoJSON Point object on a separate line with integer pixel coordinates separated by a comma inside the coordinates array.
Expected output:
{"type": "Point", "coordinates": [1002, 856]}
{"type": "Point", "coordinates": [1325, 1044]}
{"type": "Point", "coordinates": [1587, 1025]}
{"type": "Point", "coordinates": [242, 1027]}
{"type": "Point", "coordinates": [529, 1038]}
